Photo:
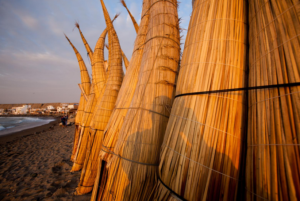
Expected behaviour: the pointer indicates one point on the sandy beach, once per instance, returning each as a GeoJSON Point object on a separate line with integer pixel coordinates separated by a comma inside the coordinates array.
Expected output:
{"type": "Point", "coordinates": [35, 165]}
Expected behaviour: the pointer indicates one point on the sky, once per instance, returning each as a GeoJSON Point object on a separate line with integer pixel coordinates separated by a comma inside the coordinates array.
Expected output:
{"type": "Point", "coordinates": [37, 64]}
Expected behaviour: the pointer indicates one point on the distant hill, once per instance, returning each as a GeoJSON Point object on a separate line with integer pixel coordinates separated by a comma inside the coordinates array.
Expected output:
{"type": "Point", "coordinates": [33, 105]}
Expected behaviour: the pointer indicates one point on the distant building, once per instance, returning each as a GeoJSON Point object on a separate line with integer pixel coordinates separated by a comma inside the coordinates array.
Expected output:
{"type": "Point", "coordinates": [50, 107]}
{"type": "Point", "coordinates": [59, 109]}
{"type": "Point", "coordinates": [71, 106]}
{"type": "Point", "coordinates": [21, 110]}
{"type": "Point", "coordinates": [1, 111]}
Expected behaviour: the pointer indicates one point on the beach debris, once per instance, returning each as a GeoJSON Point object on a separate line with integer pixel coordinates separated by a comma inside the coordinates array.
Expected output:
{"type": "Point", "coordinates": [131, 173]}
{"type": "Point", "coordinates": [273, 161]}
{"type": "Point", "coordinates": [103, 109]}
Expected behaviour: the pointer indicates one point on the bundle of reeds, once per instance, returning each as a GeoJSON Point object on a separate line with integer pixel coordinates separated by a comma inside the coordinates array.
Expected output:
{"type": "Point", "coordinates": [103, 110]}
{"type": "Point", "coordinates": [115, 123]}
{"type": "Point", "coordinates": [98, 63]}
{"type": "Point", "coordinates": [273, 161]}
{"type": "Point", "coordinates": [80, 150]}
{"type": "Point", "coordinates": [200, 154]}
{"type": "Point", "coordinates": [126, 62]}
{"type": "Point", "coordinates": [86, 84]}
{"type": "Point", "coordinates": [87, 109]}
{"type": "Point", "coordinates": [99, 81]}
{"type": "Point", "coordinates": [136, 26]}
{"type": "Point", "coordinates": [132, 174]}
{"type": "Point", "coordinates": [87, 46]}
{"type": "Point", "coordinates": [129, 83]}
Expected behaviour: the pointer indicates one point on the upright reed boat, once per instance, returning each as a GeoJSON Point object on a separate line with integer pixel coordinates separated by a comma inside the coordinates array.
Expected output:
{"type": "Point", "coordinates": [200, 153]}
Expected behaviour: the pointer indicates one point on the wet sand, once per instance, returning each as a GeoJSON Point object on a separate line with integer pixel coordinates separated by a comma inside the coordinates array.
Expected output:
{"type": "Point", "coordinates": [37, 166]}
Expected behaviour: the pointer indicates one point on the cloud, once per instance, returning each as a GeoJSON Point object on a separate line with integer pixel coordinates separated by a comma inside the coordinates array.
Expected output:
{"type": "Point", "coordinates": [36, 58]}
{"type": "Point", "coordinates": [29, 21]}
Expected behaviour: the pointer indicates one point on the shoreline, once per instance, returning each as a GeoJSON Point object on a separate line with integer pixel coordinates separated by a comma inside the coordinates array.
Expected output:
{"type": "Point", "coordinates": [36, 165]}
{"type": "Point", "coordinates": [30, 131]}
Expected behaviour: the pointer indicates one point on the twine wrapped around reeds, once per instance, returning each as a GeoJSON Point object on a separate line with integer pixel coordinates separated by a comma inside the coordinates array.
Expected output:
{"type": "Point", "coordinates": [273, 142]}
{"type": "Point", "coordinates": [126, 62]}
{"type": "Point", "coordinates": [78, 131]}
{"type": "Point", "coordinates": [99, 75]}
{"type": "Point", "coordinates": [200, 154]}
{"type": "Point", "coordinates": [103, 110]}
{"type": "Point", "coordinates": [86, 45]}
{"type": "Point", "coordinates": [80, 151]}
{"type": "Point", "coordinates": [111, 133]}
{"type": "Point", "coordinates": [86, 84]}
{"type": "Point", "coordinates": [135, 24]}
{"type": "Point", "coordinates": [129, 83]}
{"type": "Point", "coordinates": [98, 63]}
{"type": "Point", "coordinates": [132, 172]}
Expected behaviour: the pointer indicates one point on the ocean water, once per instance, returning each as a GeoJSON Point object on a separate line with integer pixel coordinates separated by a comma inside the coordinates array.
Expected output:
{"type": "Point", "coordinates": [10, 125]}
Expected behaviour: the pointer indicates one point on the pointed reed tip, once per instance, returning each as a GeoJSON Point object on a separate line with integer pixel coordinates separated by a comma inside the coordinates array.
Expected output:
{"type": "Point", "coordinates": [77, 24]}
{"type": "Point", "coordinates": [66, 36]}
{"type": "Point", "coordinates": [123, 3]}
{"type": "Point", "coordinates": [106, 46]}
{"type": "Point", "coordinates": [116, 16]}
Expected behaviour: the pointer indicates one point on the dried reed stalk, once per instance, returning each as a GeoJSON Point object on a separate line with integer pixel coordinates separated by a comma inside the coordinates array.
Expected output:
{"type": "Point", "coordinates": [103, 110]}
{"type": "Point", "coordinates": [99, 81]}
{"type": "Point", "coordinates": [200, 154]}
{"type": "Point", "coordinates": [125, 94]}
{"type": "Point", "coordinates": [132, 174]}
{"type": "Point", "coordinates": [273, 162]}
{"type": "Point", "coordinates": [87, 46]}
{"type": "Point", "coordinates": [86, 84]}
{"type": "Point", "coordinates": [136, 26]}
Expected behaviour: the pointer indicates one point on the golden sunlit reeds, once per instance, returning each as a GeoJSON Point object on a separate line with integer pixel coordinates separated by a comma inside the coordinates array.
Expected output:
{"type": "Point", "coordinates": [126, 62]}
{"type": "Point", "coordinates": [136, 26]}
{"type": "Point", "coordinates": [87, 46]}
{"type": "Point", "coordinates": [80, 150]}
{"type": "Point", "coordinates": [99, 80]}
{"type": "Point", "coordinates": [86, 112]}
{"type": "Point", "coordinates": [132, 174]}
{"type": "Point", "coordinates": [86, 84]}
{"type": "Point", "coordinates": [103, 110]}
{"type": "Point", "coordinates": [125, 94]}
{"type": "Point", "coordinates": [273, 162]}
{"type": "Point", "coordinates": [200, 154]}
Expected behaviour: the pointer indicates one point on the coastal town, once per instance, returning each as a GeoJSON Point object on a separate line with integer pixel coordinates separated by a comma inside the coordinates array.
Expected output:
{"type": "Point", "coordinates": [38, 109]}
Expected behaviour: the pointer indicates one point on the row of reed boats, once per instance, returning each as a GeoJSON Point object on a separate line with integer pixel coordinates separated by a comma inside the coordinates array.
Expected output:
{"type": "Point", "coordinates": [222, 122]}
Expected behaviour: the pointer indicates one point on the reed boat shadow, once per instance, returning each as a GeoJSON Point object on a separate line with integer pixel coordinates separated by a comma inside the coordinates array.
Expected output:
{"type": "Point", "coordinates": [199, 159]}
{"type": "Point", "coordinates": [208, 166]}
{"type": "Point", "coordinates": [133, 172]}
